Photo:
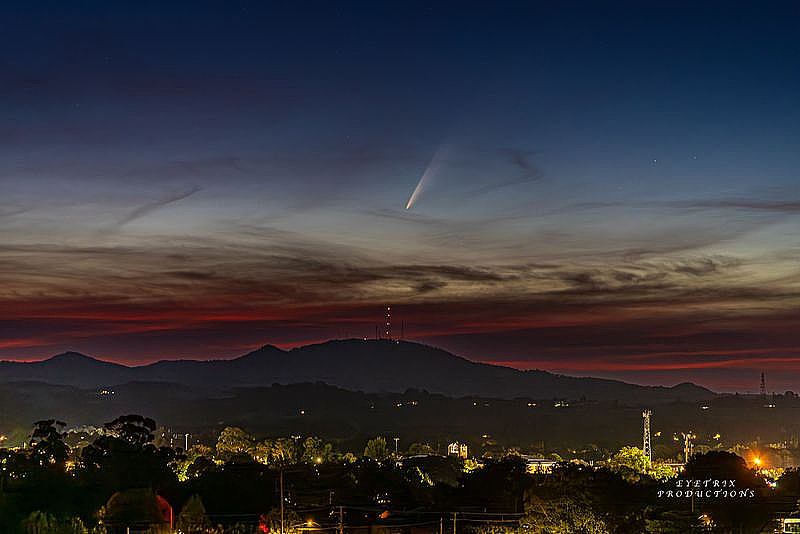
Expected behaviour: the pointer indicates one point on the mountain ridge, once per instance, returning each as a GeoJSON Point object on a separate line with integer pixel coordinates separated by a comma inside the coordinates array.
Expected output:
{"type": "Point", "coordinates": [356, 365]}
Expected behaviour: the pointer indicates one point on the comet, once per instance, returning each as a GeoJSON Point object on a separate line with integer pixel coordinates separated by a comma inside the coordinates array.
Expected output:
{"type": "Point", "coordinates": [430, 170]}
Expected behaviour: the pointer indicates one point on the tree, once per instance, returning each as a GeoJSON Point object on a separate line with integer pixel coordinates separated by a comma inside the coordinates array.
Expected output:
{"type": "Point", "coordinates": [316, 451]}
{"type": "Point", "coordinates": [674, 522]}
{"type": "Point", "coordinates": [661, 471]}
{"type": "Point", "coordinates": [277, 453]}
{"type": "Point", "coordinates": [497, 528]}
{"type": "Point", "coordinates": [199, 467]}
{"type": "Point", "coordinates": [193, 462]}
{"type": "Point", "coordinates": [631, 463]}
{"type": "Point", "coordinates": [745, 514]}
{"type": "Point", "coordinates": [47, 442]}
{"type": "Point", "coordinates": [135, 429]}
{"type": "Point", "coordinates": [376, 449]}
{"type": "Point", "coordinates": [73, 525]}
{"type": "Point", "coordinates": [13, 464]}
{"type": "Point", "coordinates": [39, 522]}
{"type": "Point", "coordinates": [234, 442]}
{"type": "Point", "coordinates": [564, 515]}
{"type": "Point", "coordinates": [240, 528]}
{"type": "Point", "coordinates": [284, 452]}
{"type": "Point", "coordinates": [125, 456]}
{"type": "Point", "coordinates": [420, 448]}
{"type": "Point", "coordinates": [192, 517]}
{"type": "Point", "coordinates": [292, 521]}
{"type": "Point", "coordinates": [632, 458]}
{"type": "Point", "coordinates": [262, 451]}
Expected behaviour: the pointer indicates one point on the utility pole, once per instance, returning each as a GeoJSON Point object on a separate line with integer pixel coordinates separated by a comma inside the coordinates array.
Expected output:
{"type": "Point", "coordinates": [441, 525]}
{"type": "Point", "coordinates": [341, 520]}
{"type": "Point", "coordinates": [646, 436]}
{"type": "Point", "coordinates": [395, 445]}
{"type": "Point", "coordinates": [454, 522]}
{"type": "Point", "coordinates": [282, 531]}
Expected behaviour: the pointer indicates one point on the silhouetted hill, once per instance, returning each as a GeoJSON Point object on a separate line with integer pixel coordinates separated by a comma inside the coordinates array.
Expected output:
{"type": "Point", "coordinates": [69, 368]}
{"type": "Point", "coordinates": [351, 418]}
{"type": "Point", "coordinates": [358, 365]}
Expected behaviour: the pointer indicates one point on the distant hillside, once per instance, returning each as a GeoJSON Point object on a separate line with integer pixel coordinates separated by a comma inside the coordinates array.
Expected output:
{"type": "Point", "coordinates": [370, 366]}
{"type": "Point", "coordinates": [350, 418]}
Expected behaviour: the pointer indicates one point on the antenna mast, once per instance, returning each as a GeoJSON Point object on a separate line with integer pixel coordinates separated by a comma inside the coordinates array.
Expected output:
{"type": "Point", "coordinates": [646, 436]}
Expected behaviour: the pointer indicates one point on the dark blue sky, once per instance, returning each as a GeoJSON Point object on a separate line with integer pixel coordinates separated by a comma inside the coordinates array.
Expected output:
{"type": "Point", "coordinates": [609, 189]}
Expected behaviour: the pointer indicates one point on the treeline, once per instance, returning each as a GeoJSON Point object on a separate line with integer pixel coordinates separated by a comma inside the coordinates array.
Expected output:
{"type": "Point", "coordinates": [234, 487]}
{"type": "Point", "coordinates": [47, 487]}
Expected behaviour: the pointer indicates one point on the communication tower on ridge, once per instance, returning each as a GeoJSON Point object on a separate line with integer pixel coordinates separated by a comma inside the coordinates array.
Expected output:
{"type": "Point", "coordinates": [763, 388]}
{"type": "Point", "coordinates": [388, 329]}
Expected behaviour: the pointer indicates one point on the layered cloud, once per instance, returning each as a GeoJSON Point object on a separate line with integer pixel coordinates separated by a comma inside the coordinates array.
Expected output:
{"type": "Point", "coordinates": [675, 311]}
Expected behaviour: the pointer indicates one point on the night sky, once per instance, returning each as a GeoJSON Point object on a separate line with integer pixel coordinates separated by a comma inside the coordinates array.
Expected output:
{"type": "Point", "coordinates": [609, 190]}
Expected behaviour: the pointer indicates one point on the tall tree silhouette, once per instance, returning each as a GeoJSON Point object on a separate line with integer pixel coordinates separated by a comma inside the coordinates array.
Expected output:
{"type": "Point", "coordinates": [47, 442]}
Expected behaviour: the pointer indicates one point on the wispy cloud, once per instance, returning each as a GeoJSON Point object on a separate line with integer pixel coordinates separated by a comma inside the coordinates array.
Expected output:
{"type": "Point", "coordinates": [11, 212]}
{"type": "Point", "coordinates": [517, 158]}
{"type": "Point", "coordinates": [150, 207]}
{"type": "Point", "coordinates": [744, 204]}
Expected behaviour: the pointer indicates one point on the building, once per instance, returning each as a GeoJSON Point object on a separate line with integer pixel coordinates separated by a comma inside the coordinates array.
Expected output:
{"type": "Point", "coordinates": [791, 523]}
{"type": "Point", "coordinates": [538, 465]}
{"type": "Point", "coordinates": [458, 449]}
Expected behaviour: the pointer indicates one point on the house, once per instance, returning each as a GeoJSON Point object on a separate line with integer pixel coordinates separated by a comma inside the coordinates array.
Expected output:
{"type": "Point", "coordinates": [536, 465]}
{"type": "Point", "coordinates": [458, 449]}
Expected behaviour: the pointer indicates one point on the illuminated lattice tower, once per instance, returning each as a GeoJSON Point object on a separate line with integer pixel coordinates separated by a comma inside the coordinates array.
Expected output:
{"type": "Point", "coordinates": [388, 326]}
{"type": "Point", "coordinates": [648, 451]}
